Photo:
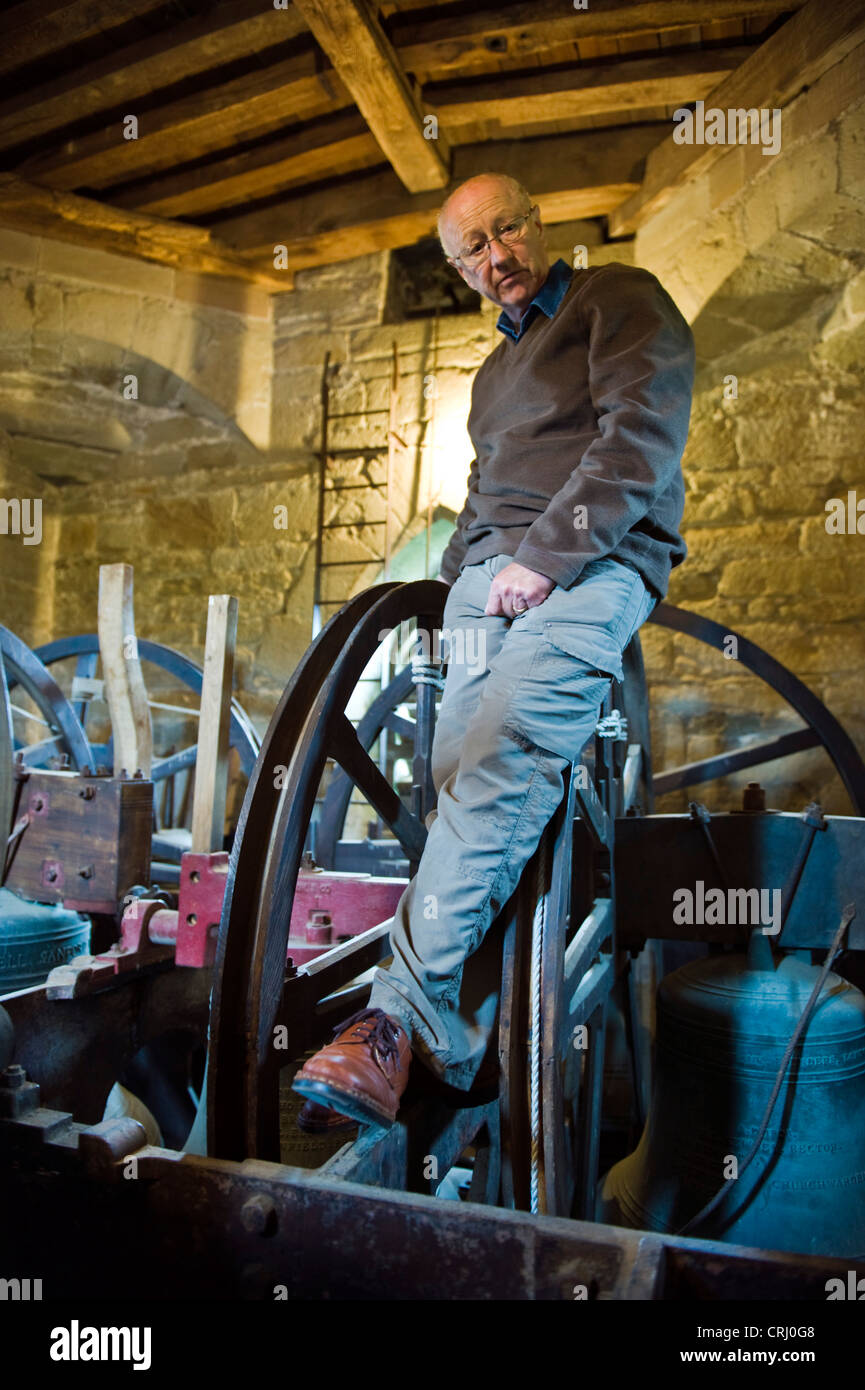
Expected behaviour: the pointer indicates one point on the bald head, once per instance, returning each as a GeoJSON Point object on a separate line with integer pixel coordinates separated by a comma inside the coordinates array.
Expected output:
{"type": "Point", "coordinates": [478, 189]}
{"type": "Point", "coordinates": [471, 226]}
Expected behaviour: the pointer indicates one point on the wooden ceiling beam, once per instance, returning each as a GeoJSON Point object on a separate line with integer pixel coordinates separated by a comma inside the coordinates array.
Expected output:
{"type": "Point", "coordinates": [571, 176]}
{"type": "Point", "coordinates": [452, 44]}
{"type": "Point", "coordinates": [37, 28]}
{"type": "Point", "coordinates": [794, 57]}
{"type": "Point", "coordinates": [351, 36]}
{"type": "Point", "coordinates": [327, 149]}
{"type": "Point", "coordinates": [261, 101]}
{"type": "Point", "coordinates": [228, 32]}
{"type": "Point", "coordinates": [67, 217]}
{"type": "Point", "coordinates": [584, 90]}
{"type": "Point", "coordinates": [267, 98]}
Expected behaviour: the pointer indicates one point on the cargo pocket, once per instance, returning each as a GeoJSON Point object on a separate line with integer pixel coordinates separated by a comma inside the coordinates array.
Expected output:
{"type": "Point", "coordinates": [587, 643]}
{"type": "Point", "coordinates": [555, 706]}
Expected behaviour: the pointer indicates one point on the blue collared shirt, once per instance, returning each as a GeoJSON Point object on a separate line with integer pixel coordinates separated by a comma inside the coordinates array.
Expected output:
{"type": "Point", "coordinates": [547, 299]}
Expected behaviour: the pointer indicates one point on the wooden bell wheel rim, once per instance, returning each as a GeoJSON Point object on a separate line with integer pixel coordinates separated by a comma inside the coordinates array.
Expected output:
{"type": "Point", "coordinates": [308, 726]}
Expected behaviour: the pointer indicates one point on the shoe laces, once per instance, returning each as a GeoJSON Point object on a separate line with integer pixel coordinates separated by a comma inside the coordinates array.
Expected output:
{"type": "Point", "coordinates": [381, 1034]}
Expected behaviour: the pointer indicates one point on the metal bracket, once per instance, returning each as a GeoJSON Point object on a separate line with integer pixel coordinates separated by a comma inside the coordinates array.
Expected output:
{"type": "Point", "coordinates": [813, 820]}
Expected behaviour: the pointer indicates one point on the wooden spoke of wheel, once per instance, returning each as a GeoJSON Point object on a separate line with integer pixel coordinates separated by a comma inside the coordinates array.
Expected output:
{"type": "Point", "coordinates": [822, 728]}
{"type": "Point", "coordinates": [23, 667]}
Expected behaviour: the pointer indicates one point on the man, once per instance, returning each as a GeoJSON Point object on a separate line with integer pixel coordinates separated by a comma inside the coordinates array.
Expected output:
{"type": "Point", "coordinates": [565, 543]}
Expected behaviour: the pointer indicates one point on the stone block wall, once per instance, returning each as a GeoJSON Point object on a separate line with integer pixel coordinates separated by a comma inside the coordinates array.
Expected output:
{"type": "Point", "coordinates": [767, 257]}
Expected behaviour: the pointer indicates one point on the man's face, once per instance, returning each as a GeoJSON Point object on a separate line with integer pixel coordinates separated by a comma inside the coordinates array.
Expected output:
{"type": "Point", "coordinates": [511, 275]}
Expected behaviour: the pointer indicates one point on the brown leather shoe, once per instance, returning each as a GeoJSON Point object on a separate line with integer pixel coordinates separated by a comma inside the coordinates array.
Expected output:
{"type": "Point", "coordinates": [363, 1072]}
{"type": "Point", "coordinates": [320, 1119]}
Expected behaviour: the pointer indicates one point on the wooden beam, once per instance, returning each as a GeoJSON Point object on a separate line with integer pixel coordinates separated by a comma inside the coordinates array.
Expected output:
{"type": "Point", "coordinates": [229, 31]}
{"type": "Point", "coordinates": [362, 55]}
{"type": "Point", "coordinates": [255, 104]}
{"type": "Point", "coordinates": [795, 56]}
{"type": "Point", "coordinates": [238, 28]}
{"type": "Point", "coordinates": [125, 691]}
{"type": "Point", "coordinates": [326, 149]}
{"type": "Point", "coordinates": [211, 759]}
{"type": "Point", "coordinates": [67, 217]}
{"type": "Point", "coordinates": [33, 30]}
{"type": "Point", "coordinates": [452, 44]}
{"type": "Point", "coordinates": [572, 176]}
{"type": "Point", "coordinates": [586, 90]}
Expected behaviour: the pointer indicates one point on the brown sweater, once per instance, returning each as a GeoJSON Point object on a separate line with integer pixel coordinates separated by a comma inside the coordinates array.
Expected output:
{"type": "Point", "coordinates": [578, 430]}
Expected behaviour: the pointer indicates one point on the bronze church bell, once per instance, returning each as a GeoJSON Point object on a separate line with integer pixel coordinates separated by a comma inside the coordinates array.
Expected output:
{"type": "Point", "coordinates": [723, 1024]}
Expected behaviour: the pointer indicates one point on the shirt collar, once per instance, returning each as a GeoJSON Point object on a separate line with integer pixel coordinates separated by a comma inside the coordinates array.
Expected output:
{"type": "Point", "coordinates": [547, 299]}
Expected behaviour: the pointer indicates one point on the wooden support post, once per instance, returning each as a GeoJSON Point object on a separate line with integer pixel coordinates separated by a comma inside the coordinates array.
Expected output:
{"type": "Point", "coordinates": [124, 683]}
{"type": "Point", "coordinates": [211, 764]}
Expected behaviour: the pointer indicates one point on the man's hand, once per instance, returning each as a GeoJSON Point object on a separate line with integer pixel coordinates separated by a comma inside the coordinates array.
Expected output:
{"type": "Point", "coordinates": [516, 589]}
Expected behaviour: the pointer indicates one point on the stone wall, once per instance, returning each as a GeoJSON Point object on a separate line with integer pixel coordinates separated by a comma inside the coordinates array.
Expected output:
{"type": "Point", "coordinates": [768, 258]}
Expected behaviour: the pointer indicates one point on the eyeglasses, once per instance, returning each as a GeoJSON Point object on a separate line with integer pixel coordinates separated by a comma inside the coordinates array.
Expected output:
{"type": "Point", "coordinates": [508, 234]}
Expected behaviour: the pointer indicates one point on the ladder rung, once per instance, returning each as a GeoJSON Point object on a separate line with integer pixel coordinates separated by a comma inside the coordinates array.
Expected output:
{"type": "Point", "coordinates": [358, 449]}
{"type": "Point", "coordinates": [340, 564]}
{"type": "Point", "coordinates": [354, 487]}
{"type": "Point", "coordinates": [353, 414]}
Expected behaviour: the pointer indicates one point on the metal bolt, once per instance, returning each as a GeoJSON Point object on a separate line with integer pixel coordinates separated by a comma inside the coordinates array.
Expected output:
{"type": "Point", "coordinates": [754, 797]}
{"type": "Point", "coordinates": [51, 875]}
{"type": "Point", "coordinates": [13, 1078]}
{"type": "Point", "coordinates": [87, 793]}
{"type": "Point", "coordinates": [258, 1215]}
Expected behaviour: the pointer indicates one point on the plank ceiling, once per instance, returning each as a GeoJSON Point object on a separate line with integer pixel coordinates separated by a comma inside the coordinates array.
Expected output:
{"type": "Point", "coordinates": [306, 126]}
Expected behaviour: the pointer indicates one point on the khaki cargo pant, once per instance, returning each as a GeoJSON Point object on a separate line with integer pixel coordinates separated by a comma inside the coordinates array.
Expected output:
{"type": "Point", "coordinates": [521, 698]}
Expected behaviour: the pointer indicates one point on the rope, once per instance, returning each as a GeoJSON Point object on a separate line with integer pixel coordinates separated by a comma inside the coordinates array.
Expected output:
{"type": "Point", "coordinates": [426, 673]}
{"type": "Point", "coordinates": [535, 1035]}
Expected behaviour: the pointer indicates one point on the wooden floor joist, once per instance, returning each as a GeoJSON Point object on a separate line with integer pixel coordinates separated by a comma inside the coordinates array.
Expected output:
{"type": "Point", "coordinates": [456, 43]}
{"type": "Point", "coordinates": [258, 103]}
{"type": "Point", "coordinates": [572, 176]}
{"type": "Point", "coordinates": [36, 28]}
{"type": "Point", "coordinates": [225, 34]}
{"type": "Point", "coordinates": [352, 37]}
{"type": "Point", "coordinates": [327, 149]}
{"type": "Point", "coordinates": [584, 90]}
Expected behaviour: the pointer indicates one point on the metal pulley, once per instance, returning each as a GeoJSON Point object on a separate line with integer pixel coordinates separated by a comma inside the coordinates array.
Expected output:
{"type": "Point", "coordinates": [723, 1024]}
